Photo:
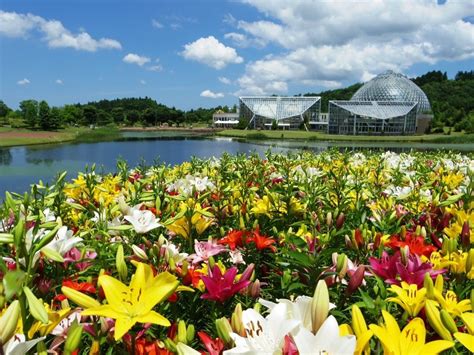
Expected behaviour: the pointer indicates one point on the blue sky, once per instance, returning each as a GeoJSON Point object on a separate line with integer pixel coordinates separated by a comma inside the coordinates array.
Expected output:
{"type": "Point", "coordinates": [205, 53]}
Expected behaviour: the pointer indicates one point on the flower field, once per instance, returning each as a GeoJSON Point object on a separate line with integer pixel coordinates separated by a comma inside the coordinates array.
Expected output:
{"type": "Point", "coordinates": [335, 253]}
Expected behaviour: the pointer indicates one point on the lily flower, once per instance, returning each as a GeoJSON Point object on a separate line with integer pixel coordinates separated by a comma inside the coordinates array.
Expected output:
{"type": "Point", "coordinates": [409, 297]}
{"type": "Point", "coordinates": [409, 341]}
{"type": "Point", "coordinates": [233, 239]}
{"type": "Point", "coordinates": [143, 221]}
{"type": "Point", "coordinates": [213, 346]}
{"type": "Point", "coordinates": [326, 341]}
{"type": "Point", "coordinates": [362, 332]}
{"type": "Point", "coordinates": [204, 250]}
{"type": "Point", "coordinates": [221, 287]}
{"type": "Point", "coordinates": [415, 243]}
{"type": "Point", "coordinates": [134, 303]}
{"type": "Point", "coordinates": [261, 241]}
{"type": "Point", "coordinates": [263, 335]}
{"type": "Point", "coordinates": [18, 344]}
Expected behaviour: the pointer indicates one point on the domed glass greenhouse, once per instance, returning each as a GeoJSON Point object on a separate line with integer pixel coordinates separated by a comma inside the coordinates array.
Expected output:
{"type": "Point", "coordinates": [388, 104]}
{"type": "Point", "coordinates": [391, 86]}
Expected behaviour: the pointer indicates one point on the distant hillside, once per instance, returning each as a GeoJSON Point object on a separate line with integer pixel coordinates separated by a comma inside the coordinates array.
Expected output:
{"type": "Point", "coordinates": [452, 100]}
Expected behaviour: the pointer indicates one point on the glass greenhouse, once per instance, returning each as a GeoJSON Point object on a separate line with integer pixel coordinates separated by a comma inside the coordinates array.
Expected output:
{"type": "Point", "coordinates": [390, 86]}
{"type": "Point", "coordinates": [372, 117]}
{"type": "Point", "coordinates": [266, 112]}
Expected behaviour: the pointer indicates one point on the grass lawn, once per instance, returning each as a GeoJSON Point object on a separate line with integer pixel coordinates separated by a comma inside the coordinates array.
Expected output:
{"type": "Point", "coordinates": [14, 137]}
{"type": "Point", "coordinates": [455, 137]}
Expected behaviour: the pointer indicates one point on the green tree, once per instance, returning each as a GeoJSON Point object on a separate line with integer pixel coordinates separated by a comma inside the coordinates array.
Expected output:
{"type": "Point", "coordinates": [4, 109]}
{"type": "Point", "coordinates": [55, 118]}
{"type": "Point", "coordinates": [29, 112]}
{"type": "Point", "coordinates": [90, 115]}
{"type": "Point", "coordinates": [44, 113]}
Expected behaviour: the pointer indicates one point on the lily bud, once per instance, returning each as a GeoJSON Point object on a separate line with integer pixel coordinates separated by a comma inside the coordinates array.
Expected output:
{"type": "Point", "coordinates": [224, 329]}
{"type": "Point", "coordinates": [439, 283]}
{"type": "Point", "coordinates": [434, 318]}
{"type": "Point", "coordinates": [329, 220]}
{"type": "Point", "coordinates": [120, 263]}
{"type": "Point", "coordinates": [9, 321]}
{"type": "Point", "coordinates": [340, 220]}
{"type": "Point", "coordinates": [405, 253]}
{"type": "Point", "coordinates": [423, 232]}
{"type": "Point", "coordinates": [184, 267]}
{"type": "Point", "coordinates": [255, 289]}
{"type": "Point", "coordinates": [95, 348]}
{"type": "Point", "coordinates": [319, 306]}
{"type": "Point", "coordinates": [465, 235]}
{"type": "Point", "coordinates": [41, 348]}
{"type": "Point", "coordinates": [172, 264]}
{"type": "Point", "coordinates": [428, 284]}
{"type": "Point", "coordinates": [403, 232]}
{"type": "Point", "coordinates": [181, 336]}
{"type": "Point", "coordinates": [79, 298]}
{"type": "Point", "coordinates": [190, 333]}
{"type": "Point", "coordinates": [73, 338]}
{"type": "Point", "coordinates": [377, 240]}
{"type": "Point", "coordinates": [448, 321]}
{"type": "Point", "coordinates": [212, 262]}
{"type": "Point", "coordinates": [358, 238]}
{"type": "Point", "coordinates": [356, 280]}
{"type": "Point", "coordinates": [36, 306]}
{"type": "Point", "coordinates": [348, 241]}
{"type": "Point", "coordinates": [139, 252]}
{"type": "Point", "coordinates": [418, 230]}
{"type": "Point", "coordinates": [341, 265]}
{"type": "Point", "coordinates": [236, 320]}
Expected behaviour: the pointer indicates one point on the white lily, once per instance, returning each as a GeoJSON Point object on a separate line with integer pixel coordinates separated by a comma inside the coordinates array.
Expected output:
{"type": "Point", "coordinates": [326, 341]}
{"type": "Point", "coordinates": [298, 310]}
{"type": "Point", "coordinates": [263, 335]}
{"type": "Point", "coordinates": [142, 221]}
{"type": "Point", "coordinates": [18, 346]}
{"type": "Point", "coordinates": [63, 241]}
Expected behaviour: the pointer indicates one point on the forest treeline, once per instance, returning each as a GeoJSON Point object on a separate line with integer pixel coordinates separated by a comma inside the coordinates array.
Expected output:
{"type": "Point", "coordinates": [452, 102]}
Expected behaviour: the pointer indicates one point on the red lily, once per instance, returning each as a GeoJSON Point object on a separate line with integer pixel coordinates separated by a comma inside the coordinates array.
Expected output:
{"type": "Point", "coordinates": [214, 347]}
{"type": "Point", "coordinates": [221, 287]}
{"type": "Point", "coordinates": [415, 243]}
{"type": "Point", "coordinates": [80, 286]}
{"type": "Point", "coordinates": [233, 239]}
{"type": "Point", "coordinates": [261, 241]}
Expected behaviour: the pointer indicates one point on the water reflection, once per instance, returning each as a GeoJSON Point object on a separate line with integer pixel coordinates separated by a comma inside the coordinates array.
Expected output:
{"type": "Point", "coordinates": [5, 157]}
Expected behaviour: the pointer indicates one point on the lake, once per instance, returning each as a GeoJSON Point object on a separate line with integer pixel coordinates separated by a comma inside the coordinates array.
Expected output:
{"type": "Point", "coordinates": [22, 166]}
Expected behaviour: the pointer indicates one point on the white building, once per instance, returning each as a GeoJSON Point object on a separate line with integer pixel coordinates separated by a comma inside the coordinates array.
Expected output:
{"type": "Point", "coordinates": [221, 119]}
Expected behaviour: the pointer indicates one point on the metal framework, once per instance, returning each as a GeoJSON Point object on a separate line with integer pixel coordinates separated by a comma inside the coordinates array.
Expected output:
{"type": "Point", "coordinates": [391, 86]}
{"type": "Point", "coordinates": [372, 117]}
{"type": "Point", "coordinates": [284, 112]}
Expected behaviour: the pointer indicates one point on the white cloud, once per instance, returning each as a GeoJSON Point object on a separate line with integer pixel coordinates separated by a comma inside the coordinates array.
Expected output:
{"type": "Point", "coordinates": [59, 81]}
{"type": "Point", "coordinates": [13, 24]}
{"type": "Point", "coordinates": [211, 52]}
{"type": "Point", "coordinates": [224, 80]}
{"type": "Point", "coordinates": [143, 82]}
{"type": "Point", "coordinates": [156, 24]}
{"type": "Point", "coordinates": [243, 41]}
{"type": "Point", "coordinates": [211, 95]}
{"type": "Point", "coordinates": [24, 81]}
{"type": "Point", "coordinates": [155, 68]}
{"type": "Point", "coordinates": [133, 58]}
{"type": "Point", "coordinates": [330, 42]}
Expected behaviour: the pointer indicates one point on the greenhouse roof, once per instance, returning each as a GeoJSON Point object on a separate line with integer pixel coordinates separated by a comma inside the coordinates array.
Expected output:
{"type": "Point", "coordinates": [377, 109]}
{"type": "Point", "coordinates": [277, 107]}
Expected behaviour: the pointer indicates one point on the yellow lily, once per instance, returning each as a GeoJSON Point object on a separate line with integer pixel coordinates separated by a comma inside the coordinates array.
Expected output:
{"type": "Point", "coordinates": [408, 297]}
{"type": "Point", "coordinates": [54, 317]}
{"type": "Point", "coordinates": [410, 341]}
{"type": "Point", "coordinates": [450, 303]}
{"type": "Point", "coordinates": [363, 334]}
{"type": "Point", "coordinates": [467, 339]}
{"type": "Point", "coordinates": [134, 303]}
{"type": "Point", "coordinates": [201, 219]}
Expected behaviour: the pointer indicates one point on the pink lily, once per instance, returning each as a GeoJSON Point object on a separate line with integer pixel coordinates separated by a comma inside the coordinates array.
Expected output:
{"type": "Point", "coordinates": [221, 287]}
{"type": "Point", "coordinates": [204, 250]}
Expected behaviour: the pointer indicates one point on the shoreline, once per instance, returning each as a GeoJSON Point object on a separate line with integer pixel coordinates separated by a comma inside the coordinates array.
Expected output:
{"type": "Point", "coordinates": [10, 137]}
